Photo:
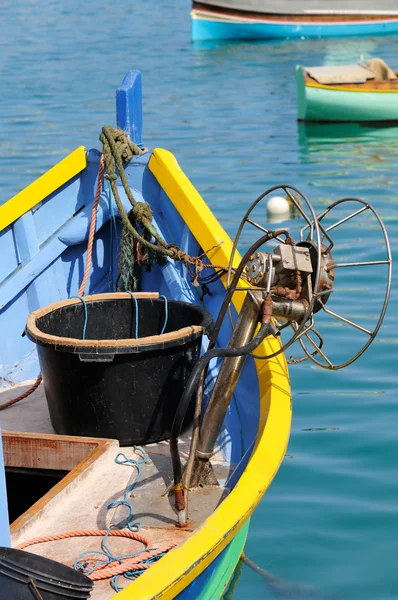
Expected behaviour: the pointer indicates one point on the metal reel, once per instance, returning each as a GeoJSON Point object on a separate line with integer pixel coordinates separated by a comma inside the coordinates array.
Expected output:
{"type": "Point", "coordinates": [304, 211]}
{"type": "Point", "coordinates": [312, 264]}
{"type": "Point", "coordinates": [374, 223]}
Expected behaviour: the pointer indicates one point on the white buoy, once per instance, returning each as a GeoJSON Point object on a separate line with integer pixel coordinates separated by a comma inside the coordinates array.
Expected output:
{"type": "Point", "coordinates": [277, 205]}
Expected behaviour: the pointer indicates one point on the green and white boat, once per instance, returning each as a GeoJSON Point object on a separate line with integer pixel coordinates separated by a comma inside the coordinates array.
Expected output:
{"type": "Point", "coordinates": [350, 93]}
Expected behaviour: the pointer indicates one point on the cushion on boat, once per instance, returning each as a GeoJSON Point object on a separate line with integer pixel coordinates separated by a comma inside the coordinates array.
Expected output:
{"type": "Point", "coordinates": [340, 74]}
{"type": "Point", "coordinates": [381, 69]}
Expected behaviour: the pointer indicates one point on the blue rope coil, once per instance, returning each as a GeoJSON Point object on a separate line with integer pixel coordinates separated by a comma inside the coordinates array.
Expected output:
{"type": "Point", "coordinates": [85, 315]}
{"type": "Point", "coordinates": [126, 502]}
{"type": "Point", "coordinates": [131, 575]}
{"type": "Point", "coordinates": [105, 555]}
{"type": "Point", "coordinates": [136, 312]}
{"type": "Point", "coordinates": [166, 313]}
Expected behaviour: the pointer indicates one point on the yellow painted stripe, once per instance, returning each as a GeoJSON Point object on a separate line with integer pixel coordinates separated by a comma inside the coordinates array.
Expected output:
{"type": "Point", "coordinates": [181, 566]}
{"type": "Point", "coordinates": [339, 88]}
{"type": "Point", "coordinates": [42, 187]}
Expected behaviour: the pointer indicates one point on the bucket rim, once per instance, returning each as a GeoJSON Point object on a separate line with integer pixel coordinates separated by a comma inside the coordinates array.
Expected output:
{"type": "Point", "coordinates": [70, 594]}
{"type": "Point", "coordinates": [141, 344]}
{"type": "Point", "coordinates": [42, 579]}
{"type": "Point", "coordinates": [23, 578]}
{"type": "Point", "coordinates": [60, 581]}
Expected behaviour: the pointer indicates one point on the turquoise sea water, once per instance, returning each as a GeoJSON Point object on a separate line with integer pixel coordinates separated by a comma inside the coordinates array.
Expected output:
{"type": "Point", "coordinates": [330, 519]}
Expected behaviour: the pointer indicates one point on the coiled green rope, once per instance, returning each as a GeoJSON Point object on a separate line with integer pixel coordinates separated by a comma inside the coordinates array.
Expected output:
{"type": "Point", "coordinates": [141, 243]}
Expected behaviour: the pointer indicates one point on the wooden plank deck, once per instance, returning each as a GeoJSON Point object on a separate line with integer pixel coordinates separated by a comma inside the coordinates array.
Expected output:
{"type": "Point", "coordinates": [83, 502]}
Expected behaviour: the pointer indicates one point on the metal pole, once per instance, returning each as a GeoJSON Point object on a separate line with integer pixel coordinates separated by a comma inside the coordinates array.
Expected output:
{"type": "Point", "coordinates": [227, 379]}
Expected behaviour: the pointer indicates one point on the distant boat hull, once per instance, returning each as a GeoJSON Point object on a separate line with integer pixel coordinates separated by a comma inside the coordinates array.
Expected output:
{"type": "Point", "coordinates": [218, 19]}
{"type": "Point", "coordinates": [349, 103]}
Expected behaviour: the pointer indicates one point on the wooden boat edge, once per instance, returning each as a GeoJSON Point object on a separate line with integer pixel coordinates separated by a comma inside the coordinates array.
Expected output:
{"type": "Point", "coordinates": [96, 448]}
{"type": "Point", "coordinates": [43, 187]}
{"type": "Point", "coordinates": [359, 88]}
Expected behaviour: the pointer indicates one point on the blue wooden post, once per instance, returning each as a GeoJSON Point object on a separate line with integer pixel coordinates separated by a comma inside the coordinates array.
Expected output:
{"type": "Point", "coordinates": [129, 107]}
{"type": "Point", "coordinates": [4, 525]}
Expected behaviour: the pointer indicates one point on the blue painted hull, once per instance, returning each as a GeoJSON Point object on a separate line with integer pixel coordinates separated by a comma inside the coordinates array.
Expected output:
{"type": "Point", "coordinates": [44, 253]}
{"type": "Point", "coordinates": [55, 271]}
{"type": "Point", "coordinates": [213, 29]}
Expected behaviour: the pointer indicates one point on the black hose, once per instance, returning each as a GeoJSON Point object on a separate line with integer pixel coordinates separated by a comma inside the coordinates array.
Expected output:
{"type": "Point", "coordinates": [206, 358]}
{"type": "Point", "coordinates": [228, 297]}
{"type": "Point", "coordinates": [191, 386]}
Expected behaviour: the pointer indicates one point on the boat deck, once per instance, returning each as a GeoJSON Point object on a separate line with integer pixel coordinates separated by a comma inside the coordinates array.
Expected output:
{"type": "Point", "coordinates": [83, 504]}
{"type": "Point", "coordinates": [369, 85]}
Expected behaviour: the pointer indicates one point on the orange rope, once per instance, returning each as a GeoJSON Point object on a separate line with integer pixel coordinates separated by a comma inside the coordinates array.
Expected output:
{"type": "Point", "coordinates": [87, 533]}
{"type": "Point", "coordinates": [116, 567]}
{"type": "Point", "coordinates": [85, 277]}
{"type": "Point", "coordinates": [22, 396]}
{"type": "Point", "coordinates": [128, 564]}
{"type": "Point", "coordinates": [92, 227]}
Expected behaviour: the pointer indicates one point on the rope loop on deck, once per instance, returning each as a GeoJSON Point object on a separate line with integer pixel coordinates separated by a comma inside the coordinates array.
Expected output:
{"type": "Point", "coordinates": [23, 395]}
{"type": "Point", "coordinates": [104, 564]}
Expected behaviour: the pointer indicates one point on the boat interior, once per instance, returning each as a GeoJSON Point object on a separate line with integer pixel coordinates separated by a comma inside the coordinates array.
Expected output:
{"type": "Point", "coordinates": [86, 481]}
{"type": "Point", "coordinates": [374, 75]}
{"type": "Point", "coordinates": [74, 480]}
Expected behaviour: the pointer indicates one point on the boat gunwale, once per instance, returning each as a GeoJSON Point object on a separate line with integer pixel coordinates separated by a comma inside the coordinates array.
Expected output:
{"type": "Point", "coordinates": [202, 10]}
{"type": "Point", "coordinates": [41, 188]}
{"type": "Point", "coordinates": [356, 87]}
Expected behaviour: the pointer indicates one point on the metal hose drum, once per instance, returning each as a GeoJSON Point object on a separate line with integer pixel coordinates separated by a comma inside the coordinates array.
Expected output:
{"type": "Point", "coordinates": [111, 383]}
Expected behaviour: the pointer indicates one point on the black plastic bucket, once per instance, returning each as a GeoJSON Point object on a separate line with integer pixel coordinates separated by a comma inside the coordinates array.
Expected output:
{"type": "Point", "coordinates": [26, 576]}
{"type": "Point", "coordinates": [112, 384]}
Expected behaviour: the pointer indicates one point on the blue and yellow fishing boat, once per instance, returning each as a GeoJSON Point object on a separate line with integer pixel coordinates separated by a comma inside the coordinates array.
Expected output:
{"type": "Point", "coordinates": [120, 271]}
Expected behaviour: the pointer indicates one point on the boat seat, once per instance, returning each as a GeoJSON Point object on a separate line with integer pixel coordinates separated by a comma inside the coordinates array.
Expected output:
{"type": "Point", "coordinates": [381, 69]}
{"type": "Point", "coordinates": [333, 75]}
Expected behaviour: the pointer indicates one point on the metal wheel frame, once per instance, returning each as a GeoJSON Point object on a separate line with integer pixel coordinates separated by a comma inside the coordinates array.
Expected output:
{"type": "Point", "coordinates": [313, 225]}
{"type": "Point", "coordinates": [388, 261]}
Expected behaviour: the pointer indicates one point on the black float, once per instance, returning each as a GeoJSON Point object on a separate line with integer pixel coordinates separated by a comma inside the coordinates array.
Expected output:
{"type": "Point", "coordinates": [26, 576]}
